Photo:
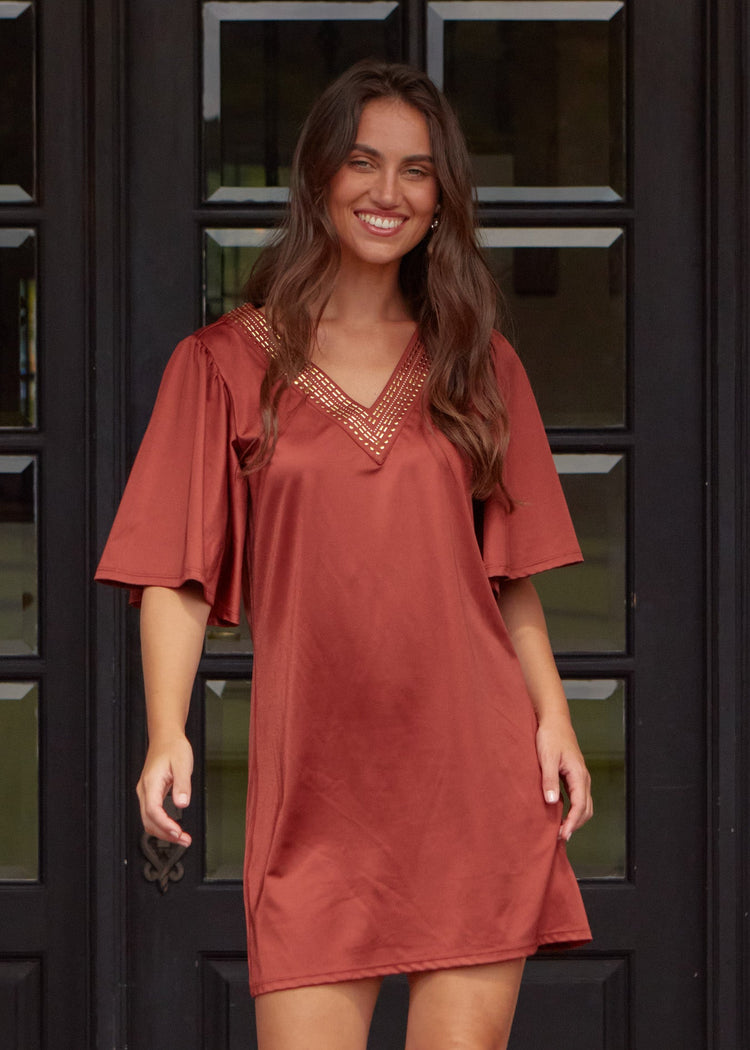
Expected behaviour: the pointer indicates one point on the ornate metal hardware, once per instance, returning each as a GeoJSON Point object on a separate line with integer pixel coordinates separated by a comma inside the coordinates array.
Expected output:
{"type": "Point", "coordinates": [163, 864]}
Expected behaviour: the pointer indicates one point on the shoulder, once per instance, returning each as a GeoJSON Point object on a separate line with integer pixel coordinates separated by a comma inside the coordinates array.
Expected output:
{"type": "Point", "coordinates": [230, 346]}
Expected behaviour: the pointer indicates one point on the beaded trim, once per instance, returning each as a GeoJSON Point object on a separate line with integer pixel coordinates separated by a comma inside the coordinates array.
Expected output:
{"type": "Point", "coordinates": [373, 428]}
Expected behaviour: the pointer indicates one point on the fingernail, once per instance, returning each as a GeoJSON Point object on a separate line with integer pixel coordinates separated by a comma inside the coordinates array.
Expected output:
{"type": "Point", "coordinates": [175, 833]}
{"type": "Point", "coordinates": [181, 800]}
{"type": "Point", "coordinates": [551, 796]}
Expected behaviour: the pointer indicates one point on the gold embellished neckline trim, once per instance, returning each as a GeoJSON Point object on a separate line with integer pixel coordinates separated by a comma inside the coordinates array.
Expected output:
{"type": "Point", "coordinates": [373, 428]}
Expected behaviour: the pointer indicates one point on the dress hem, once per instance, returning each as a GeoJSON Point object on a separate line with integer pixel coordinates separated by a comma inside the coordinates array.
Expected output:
{"type": "Point", "coordinates": [560, 938]}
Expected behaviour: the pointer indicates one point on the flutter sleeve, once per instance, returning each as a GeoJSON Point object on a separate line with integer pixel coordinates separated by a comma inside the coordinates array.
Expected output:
{"type": "Point", "coordinates": [537, 533]}
{"type": "Point", "coordinates": [183, 516]}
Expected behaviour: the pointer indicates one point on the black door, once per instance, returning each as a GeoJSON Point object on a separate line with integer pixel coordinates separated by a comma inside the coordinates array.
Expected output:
{"type": "Point", "coordinates": [44, 844]}
{"type": "Point", "coordinates": [591, 204]}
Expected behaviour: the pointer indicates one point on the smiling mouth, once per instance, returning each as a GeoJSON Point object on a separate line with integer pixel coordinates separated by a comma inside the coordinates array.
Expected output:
{"type": "Point", "coordinates": [380, 222]}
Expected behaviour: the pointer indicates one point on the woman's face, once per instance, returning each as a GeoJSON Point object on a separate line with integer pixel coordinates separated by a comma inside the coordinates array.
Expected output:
{"type": "Point", "coordinates": [383, 197]}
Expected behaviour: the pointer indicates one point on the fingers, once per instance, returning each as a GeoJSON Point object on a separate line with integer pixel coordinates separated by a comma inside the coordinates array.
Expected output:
{"type": "Point", "coordinates": [578, 785]}
{"type": "Point", "coordinates": [560, 757]}
{"type": "Point", "coordinates": [162, 771]}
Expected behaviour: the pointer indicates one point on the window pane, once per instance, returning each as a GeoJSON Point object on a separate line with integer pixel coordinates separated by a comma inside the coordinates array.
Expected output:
{"type": "Point", "coordinates": [17, 117]}
{"type": "Point", "coordinates": [585, 604]}
{"type": "Point", "coordinates": [18, 556]}
{"type": "Point", "coordinates": [228, 258]}
{"type": "Point", "coordinates": [18, 352]}
{"type": "Point", "coordinates": [552, 127]}
{"type": "Point", "coordinates": [263, 66]}
{"type": "Point", "coordinates": [565, 298]}
{"type": "Point", "coordinates": [227, 714]}
{"type": "Point", "coordinates": [597, 706]}
{"type": "Point", "coordinates": [19, 783]}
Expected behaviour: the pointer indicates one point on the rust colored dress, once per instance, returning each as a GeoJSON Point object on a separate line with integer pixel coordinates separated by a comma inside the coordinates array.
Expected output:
{"type": "Point", "coordinates": [395, 818]}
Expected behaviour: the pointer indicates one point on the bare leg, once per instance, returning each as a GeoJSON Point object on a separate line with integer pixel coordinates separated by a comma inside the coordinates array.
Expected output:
{"type": "Point", "coordinates": [467, 1008]}
{"type": "Point", "coordinates": [320, 1017]}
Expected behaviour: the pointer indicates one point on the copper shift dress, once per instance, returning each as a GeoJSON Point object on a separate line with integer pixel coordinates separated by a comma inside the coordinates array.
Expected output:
{"type": "Point", "coordinates": [395, 817]}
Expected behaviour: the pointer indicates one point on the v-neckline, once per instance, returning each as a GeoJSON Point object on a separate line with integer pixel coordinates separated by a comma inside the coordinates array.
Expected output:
{"type": "Point", "coordinates": [372, 408]}
{"type": "Point", "coordinates": [373, 427]}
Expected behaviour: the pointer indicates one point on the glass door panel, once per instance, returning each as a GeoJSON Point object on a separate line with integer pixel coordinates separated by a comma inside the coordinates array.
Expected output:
{"type": "Point", "coordinates": [263, 65]}
{"type": "Point", "coordinates": [552, 128]}
{"type": "Point", "coordinates": [564, 291]}
{"type": "Point", "coordinates": [19, 783]}
{"type": "Point", "coordinates": [17, 104]}
{"type": "Point", "coordinates": [226, 722]}
{"type": "Point", "coordinates": [586, 605]}
{"type": "Point", "coordinates": [19, 588]}
{"type": "Point", "coordinates": [18, 349]}
{"type": "Point", "coordinates": [597, 705]}
{"type": "Point", "coordinates": [228, 258]}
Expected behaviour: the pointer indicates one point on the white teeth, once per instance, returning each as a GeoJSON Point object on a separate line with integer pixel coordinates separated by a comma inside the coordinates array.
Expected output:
{"type": "Point", "coordinates": [380, 222]}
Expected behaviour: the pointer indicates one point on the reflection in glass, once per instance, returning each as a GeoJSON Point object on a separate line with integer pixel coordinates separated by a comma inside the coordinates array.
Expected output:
{"type": "Point", "coordinates": [18, 351]}
{"type": "Point", "coordinates": [598, 850]}
{"type": "Point", "coordinates": [19, 783]}
{"type": "Point", "coordinates": [263, 65]}
{"type": "Point", "coordinates": [230, 639]}
{"type": "Point", "coordinates": [18, 556]}
{"type": "Point", "coordinates": [227, 714]}
{"type": "Point", "coordinates": [228, 258]}
{"type": "Point", "coordinates": [552, 126]}
{"type": "Point", "coordinates": [565, 298]}
{"type": "Point", "coordinates": [17, 116]}
{"type": "Point", "coordinates": [585, 604]}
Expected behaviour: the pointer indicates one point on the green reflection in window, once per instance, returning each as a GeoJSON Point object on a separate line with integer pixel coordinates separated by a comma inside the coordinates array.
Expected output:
{"type": "Point", "coordinates": [18, 350]}
{"type": "Point", "coordinates": [263, 66]}
{"type": "Point", "coordinates": [565, 299]}
{"type": "Point", "coordinates": [552, 127]}
{"type": "Point", "coordinates": [19, 783]}
{"type": "Point", "coordinates": [17, 110]}
{"type": "Point", "coordinates": [226, 714]}
{"type": "Point", "coordinates": [598, 850]}
{"type": "Point", "coordinates": [18, 556]}
{"type": "Point", "coordinates": [228, 258]}
{"type": "Point", "coordinates": [585, 604]}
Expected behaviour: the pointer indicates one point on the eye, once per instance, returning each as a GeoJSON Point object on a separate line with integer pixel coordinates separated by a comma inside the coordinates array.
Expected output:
{"type": "Point", "coordinates": [417, 173]}
{"type": "Point", "coordinates": [360, 164]}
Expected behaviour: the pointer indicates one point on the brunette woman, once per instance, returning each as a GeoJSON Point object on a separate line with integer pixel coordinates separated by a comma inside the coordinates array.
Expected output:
{"type": "Point", "coordinates": [319, 452]}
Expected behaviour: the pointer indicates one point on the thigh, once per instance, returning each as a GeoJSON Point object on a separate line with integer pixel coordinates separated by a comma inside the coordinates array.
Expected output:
{"type": "Point", "coordinates": [319, 1017]}
{"type": "Point", "coordinates": [466, 1008]}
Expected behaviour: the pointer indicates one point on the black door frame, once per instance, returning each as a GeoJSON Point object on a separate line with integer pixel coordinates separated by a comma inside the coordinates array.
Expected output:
{"type": "Point", "coordinates": [728, 520]}
{"type": "Point", "coordinates": [727, 387]}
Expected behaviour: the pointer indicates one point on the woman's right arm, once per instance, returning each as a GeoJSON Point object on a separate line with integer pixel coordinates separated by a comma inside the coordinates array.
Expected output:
{"type": "Point", "coordinates": [173, 623]}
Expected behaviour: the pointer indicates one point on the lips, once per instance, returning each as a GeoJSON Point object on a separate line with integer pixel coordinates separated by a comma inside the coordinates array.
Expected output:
{"type": "Point", "coordinates": [381, 223]}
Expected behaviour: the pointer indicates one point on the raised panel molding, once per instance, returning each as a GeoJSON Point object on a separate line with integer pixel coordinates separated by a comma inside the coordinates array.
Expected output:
{"type": "Point", "coordinates": [573, 1004]}
{"type": "Point", "coordinates": [229, 1019]}
{"type": "Point", "coordinates": [21, 1004]}
{"type": "Point", "coordinates": [569, 1003]}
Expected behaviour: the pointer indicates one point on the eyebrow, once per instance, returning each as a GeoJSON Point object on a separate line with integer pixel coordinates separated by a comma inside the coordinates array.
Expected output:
{"type": "Point", "coordinates": [413, 158]}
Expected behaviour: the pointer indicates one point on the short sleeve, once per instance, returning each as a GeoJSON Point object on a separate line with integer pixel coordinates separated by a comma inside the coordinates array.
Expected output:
{"type": "Point", "coordinates": [183, 516]}
{"type": "Point", "coordinates": [537, 533]}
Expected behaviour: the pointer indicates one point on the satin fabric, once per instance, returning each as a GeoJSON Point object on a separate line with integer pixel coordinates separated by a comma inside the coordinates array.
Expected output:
{"type": "Point", "coordinates": [395, 815]}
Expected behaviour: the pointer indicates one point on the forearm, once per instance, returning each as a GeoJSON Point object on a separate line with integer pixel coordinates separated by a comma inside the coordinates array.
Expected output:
{"type": "Point", "coordinates": [524, 620]}
{"type": "Point", "coordinates": [173, 624]}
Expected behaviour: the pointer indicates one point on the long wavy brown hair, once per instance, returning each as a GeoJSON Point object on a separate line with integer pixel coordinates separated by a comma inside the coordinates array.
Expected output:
{"type": "Point", "coordinates": [444, 279]}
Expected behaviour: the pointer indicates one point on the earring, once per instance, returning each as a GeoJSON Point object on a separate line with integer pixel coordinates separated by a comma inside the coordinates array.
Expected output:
{"type": "Point", "coordinates": [435, 223]}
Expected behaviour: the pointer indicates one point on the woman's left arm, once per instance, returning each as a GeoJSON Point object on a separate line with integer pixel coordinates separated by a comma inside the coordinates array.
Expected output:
{"type": "Point", "coordinates": [556, 743]}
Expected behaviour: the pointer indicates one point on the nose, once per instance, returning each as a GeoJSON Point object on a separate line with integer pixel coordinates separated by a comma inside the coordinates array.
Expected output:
{"type": "Point", "coordinates": [385, 189]}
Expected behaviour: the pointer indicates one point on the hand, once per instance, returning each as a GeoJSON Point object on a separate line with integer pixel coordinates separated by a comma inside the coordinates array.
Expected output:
{"type": "Point", "coordinates": [560, 757]}
{"type": "Point", "coordinates": [168, 765]}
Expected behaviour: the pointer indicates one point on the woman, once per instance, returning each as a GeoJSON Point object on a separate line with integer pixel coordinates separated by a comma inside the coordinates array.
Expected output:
{"type": "Point", "coordinates": [322, 451]}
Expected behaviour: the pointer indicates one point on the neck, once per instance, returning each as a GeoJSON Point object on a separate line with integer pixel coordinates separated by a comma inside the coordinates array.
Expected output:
{"type": "Point", "coordinates": [365, 295]}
